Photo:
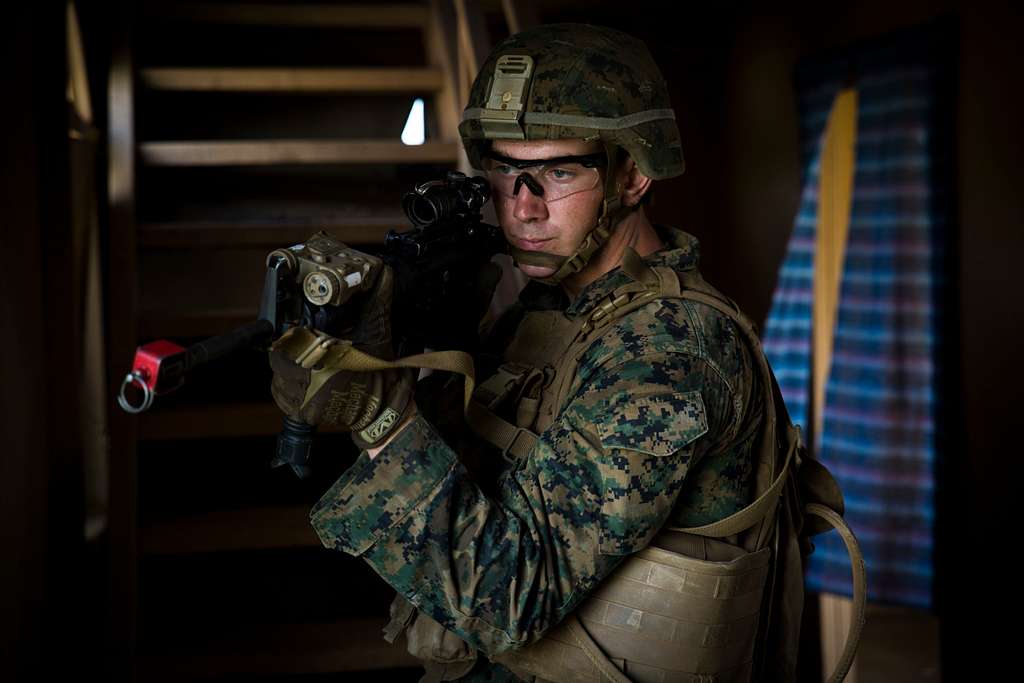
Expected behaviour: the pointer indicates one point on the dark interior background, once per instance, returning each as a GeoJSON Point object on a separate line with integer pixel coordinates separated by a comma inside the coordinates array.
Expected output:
{"type": "Point", "coordinates": [730, 66]}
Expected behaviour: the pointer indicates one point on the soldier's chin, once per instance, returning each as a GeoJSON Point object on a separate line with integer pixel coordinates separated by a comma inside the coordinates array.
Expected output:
{"type": "Point", "coordinates": [538, 272]}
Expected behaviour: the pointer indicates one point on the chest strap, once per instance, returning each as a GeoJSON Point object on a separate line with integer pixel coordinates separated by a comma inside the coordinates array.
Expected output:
{"type": "Point", "coordinates": [513, 442]}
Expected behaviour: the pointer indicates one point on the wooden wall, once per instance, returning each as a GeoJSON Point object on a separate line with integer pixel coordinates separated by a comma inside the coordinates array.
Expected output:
{"type": "Point", "coordinates": [42, 582]}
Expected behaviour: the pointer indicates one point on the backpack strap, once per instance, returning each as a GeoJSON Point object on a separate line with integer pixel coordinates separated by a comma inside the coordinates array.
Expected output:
{"type": "Point", "coordinates": [751, 514]}
{"type": "Point", "coordinates": [860, 586]}
{"type": "Point", "coordinates": [695, 288]}
{"type": "Point", "coordinates": [762, 511]}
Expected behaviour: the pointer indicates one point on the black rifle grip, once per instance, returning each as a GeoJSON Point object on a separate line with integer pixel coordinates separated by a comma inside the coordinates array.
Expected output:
{"type": "Point", "coordinates": [294, 444]}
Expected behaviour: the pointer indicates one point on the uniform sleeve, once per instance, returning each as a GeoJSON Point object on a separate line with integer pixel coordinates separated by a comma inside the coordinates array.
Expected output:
{"type": "Point", "coordinates": [598, 484]}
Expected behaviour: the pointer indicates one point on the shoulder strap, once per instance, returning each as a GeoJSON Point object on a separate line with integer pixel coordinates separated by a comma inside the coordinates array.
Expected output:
{"type": "Point", "coordinates": [695, 288]}
{"type": "Point", "coordinates": [746, 518]}
{"type": "Point", "coordinates": [860, 587]}
{"type": "Point", "coordinates": [513, 441]}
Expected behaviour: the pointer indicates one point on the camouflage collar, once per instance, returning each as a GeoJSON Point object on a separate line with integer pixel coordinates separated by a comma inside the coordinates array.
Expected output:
{"type": "Point", "coordinates": [682, 253]}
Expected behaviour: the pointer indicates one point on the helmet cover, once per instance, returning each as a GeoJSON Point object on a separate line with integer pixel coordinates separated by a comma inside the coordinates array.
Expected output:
{"type": "Point", "coordinates": [580, 82]}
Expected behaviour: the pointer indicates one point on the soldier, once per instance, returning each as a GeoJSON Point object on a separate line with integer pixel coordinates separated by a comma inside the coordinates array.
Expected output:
{"type": "Point", "coordinates": [624, 409]}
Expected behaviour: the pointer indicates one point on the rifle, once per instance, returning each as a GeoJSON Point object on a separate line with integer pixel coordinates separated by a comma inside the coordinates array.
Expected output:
{"type": "Point", "coordinates": [312, 284]}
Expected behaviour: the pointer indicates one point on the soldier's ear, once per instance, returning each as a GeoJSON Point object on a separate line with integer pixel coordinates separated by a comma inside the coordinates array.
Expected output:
{"type": "Point", "coordinates": [632, 184]}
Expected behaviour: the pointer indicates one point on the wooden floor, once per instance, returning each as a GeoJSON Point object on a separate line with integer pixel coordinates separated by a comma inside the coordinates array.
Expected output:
{"type": "Point", "coordinates": [900, 645]}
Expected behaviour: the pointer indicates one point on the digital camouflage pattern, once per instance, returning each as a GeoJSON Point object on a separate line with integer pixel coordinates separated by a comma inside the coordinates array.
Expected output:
{"type": "Point", "coordinates": [585, 71]}
{"type": "Point", "coordinates": [659, 426]}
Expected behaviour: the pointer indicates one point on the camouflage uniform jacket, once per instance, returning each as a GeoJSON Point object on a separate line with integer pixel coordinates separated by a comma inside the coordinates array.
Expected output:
{"type": "Point", "coordinates": [658, 425]}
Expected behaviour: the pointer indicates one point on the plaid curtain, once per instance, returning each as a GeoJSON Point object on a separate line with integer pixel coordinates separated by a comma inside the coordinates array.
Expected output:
{"type": "Point", "coordinates": [879, 424]}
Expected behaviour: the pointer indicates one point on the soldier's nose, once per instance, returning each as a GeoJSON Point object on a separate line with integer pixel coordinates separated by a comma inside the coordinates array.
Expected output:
{"type": "Point", "coordinates": [529, 205]}
{"type": "Point", "coordinates": [530, 182]}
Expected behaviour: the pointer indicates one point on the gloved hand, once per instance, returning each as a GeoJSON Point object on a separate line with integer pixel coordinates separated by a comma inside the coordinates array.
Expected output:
{"type": "Point", "coordinates": [316, 380]}
{"type": "Point", "coordinates": [312, 385]}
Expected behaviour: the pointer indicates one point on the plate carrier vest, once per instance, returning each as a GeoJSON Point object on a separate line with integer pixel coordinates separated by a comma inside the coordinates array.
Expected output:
{"type": "Point", "coordinates": [717, 603]}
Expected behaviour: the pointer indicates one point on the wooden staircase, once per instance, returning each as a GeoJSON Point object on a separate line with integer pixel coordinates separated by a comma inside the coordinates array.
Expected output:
{"type": "Point", "coordinates": [237, 128]}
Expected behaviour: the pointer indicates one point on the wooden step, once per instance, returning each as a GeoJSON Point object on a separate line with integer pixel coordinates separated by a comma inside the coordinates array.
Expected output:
{"type": "Point", "coordinates": [287, 14]}
{"type": "Point", "coordinates": [351, 645]}
{"type": "Point", "coordinates": [307, 80]}
{"type": "Point", "coordinates": [282, 152]}
{"type": "Point", "coordinates": [361, 230]}
{"type": "Point", "coordinates": [263, 528]}
{"type": "Point", "coordinates": [209, 421]}
{"type": "Point", "coordinates": [172, 324]}
{"type": "Point", "coordinates": [214, 420]}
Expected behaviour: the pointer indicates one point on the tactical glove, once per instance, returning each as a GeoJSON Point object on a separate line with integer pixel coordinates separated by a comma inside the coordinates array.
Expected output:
{"type": "Point", "coordinates": [322, 380]}
{"type": "Point", "coordinates": [315, 383]}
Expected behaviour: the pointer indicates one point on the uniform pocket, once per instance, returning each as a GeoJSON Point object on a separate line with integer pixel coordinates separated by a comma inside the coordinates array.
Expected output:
{"type": "Point", "coordinates": [646, 449]}
{"type": "Point", "coordinates": [657, 425]}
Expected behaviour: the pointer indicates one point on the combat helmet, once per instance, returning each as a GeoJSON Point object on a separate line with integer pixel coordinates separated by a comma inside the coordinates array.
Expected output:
{"type": "Point", "coordinates": [575, 81]}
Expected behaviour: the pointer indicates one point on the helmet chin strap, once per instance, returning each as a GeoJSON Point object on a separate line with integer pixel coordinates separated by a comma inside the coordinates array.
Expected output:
{"type": "Point", "coordinates": [612, 211]}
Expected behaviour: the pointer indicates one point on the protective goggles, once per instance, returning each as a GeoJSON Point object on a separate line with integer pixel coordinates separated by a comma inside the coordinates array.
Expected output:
{"type": "Point", "coordinates": [549, 179]}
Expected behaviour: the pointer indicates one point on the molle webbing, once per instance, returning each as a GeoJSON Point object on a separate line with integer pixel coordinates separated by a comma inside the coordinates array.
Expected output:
{"type": "Point", "coordinates": [513, 442]}
{"type": "Point", "coordinates": [661, 616]}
